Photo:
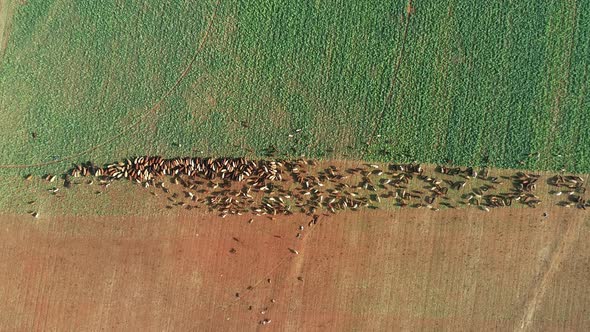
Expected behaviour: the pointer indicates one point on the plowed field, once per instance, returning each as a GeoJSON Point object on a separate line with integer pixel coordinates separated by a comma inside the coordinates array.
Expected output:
{"type": "Point", "coordinates": [379, 270]}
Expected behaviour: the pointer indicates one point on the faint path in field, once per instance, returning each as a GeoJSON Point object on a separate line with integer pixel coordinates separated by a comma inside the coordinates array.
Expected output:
{"type": "Point", "coordinates": [394, 79]}
{"type": "Point", "coordinates": [151, 111]}
{"type": "Point", "coordinates": [557, 94]}
{"type": "Point", "coordinates": [567, 236]}
{"type": "Point", "coordinates": [6, 12]}
{"type": "Point", "coordinates": [289, 256]}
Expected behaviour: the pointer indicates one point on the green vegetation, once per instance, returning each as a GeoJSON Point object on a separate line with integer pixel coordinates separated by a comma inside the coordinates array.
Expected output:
{"type": "Point", "coordinates": [478, 82]}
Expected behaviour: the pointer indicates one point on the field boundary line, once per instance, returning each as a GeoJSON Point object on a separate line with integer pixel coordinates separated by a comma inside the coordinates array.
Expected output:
{"type": "Point", "coordinates": [152, 110]}
{"type": "Point", "coordinates": [394, 79]}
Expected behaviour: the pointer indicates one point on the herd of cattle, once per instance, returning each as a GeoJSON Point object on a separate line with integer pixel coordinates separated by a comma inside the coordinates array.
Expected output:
{"type": "Point", "coordinates": [238, 185]}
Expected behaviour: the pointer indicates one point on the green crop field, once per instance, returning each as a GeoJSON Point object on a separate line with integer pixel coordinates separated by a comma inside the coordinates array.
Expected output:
{"type": "Point", "coordinates": [469, 82]}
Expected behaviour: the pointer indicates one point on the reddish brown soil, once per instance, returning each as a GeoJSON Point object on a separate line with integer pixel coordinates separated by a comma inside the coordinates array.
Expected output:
{"type": "Point", "coordinates": [412, 269]}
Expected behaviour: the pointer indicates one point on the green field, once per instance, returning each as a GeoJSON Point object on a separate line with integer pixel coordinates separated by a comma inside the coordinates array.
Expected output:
{"type": "Point", "coordinates": [477, 82]}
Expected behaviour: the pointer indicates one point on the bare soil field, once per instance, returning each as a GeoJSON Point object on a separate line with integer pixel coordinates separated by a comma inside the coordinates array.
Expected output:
{"type": "Point", "coordinates": [464, 269]}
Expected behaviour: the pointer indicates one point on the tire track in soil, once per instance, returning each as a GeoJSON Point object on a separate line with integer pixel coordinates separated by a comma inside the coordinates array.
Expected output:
{"type": "Point", "coordinates": [289, 256]}
{"type": "Point", "coordinates": [567, 236]}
